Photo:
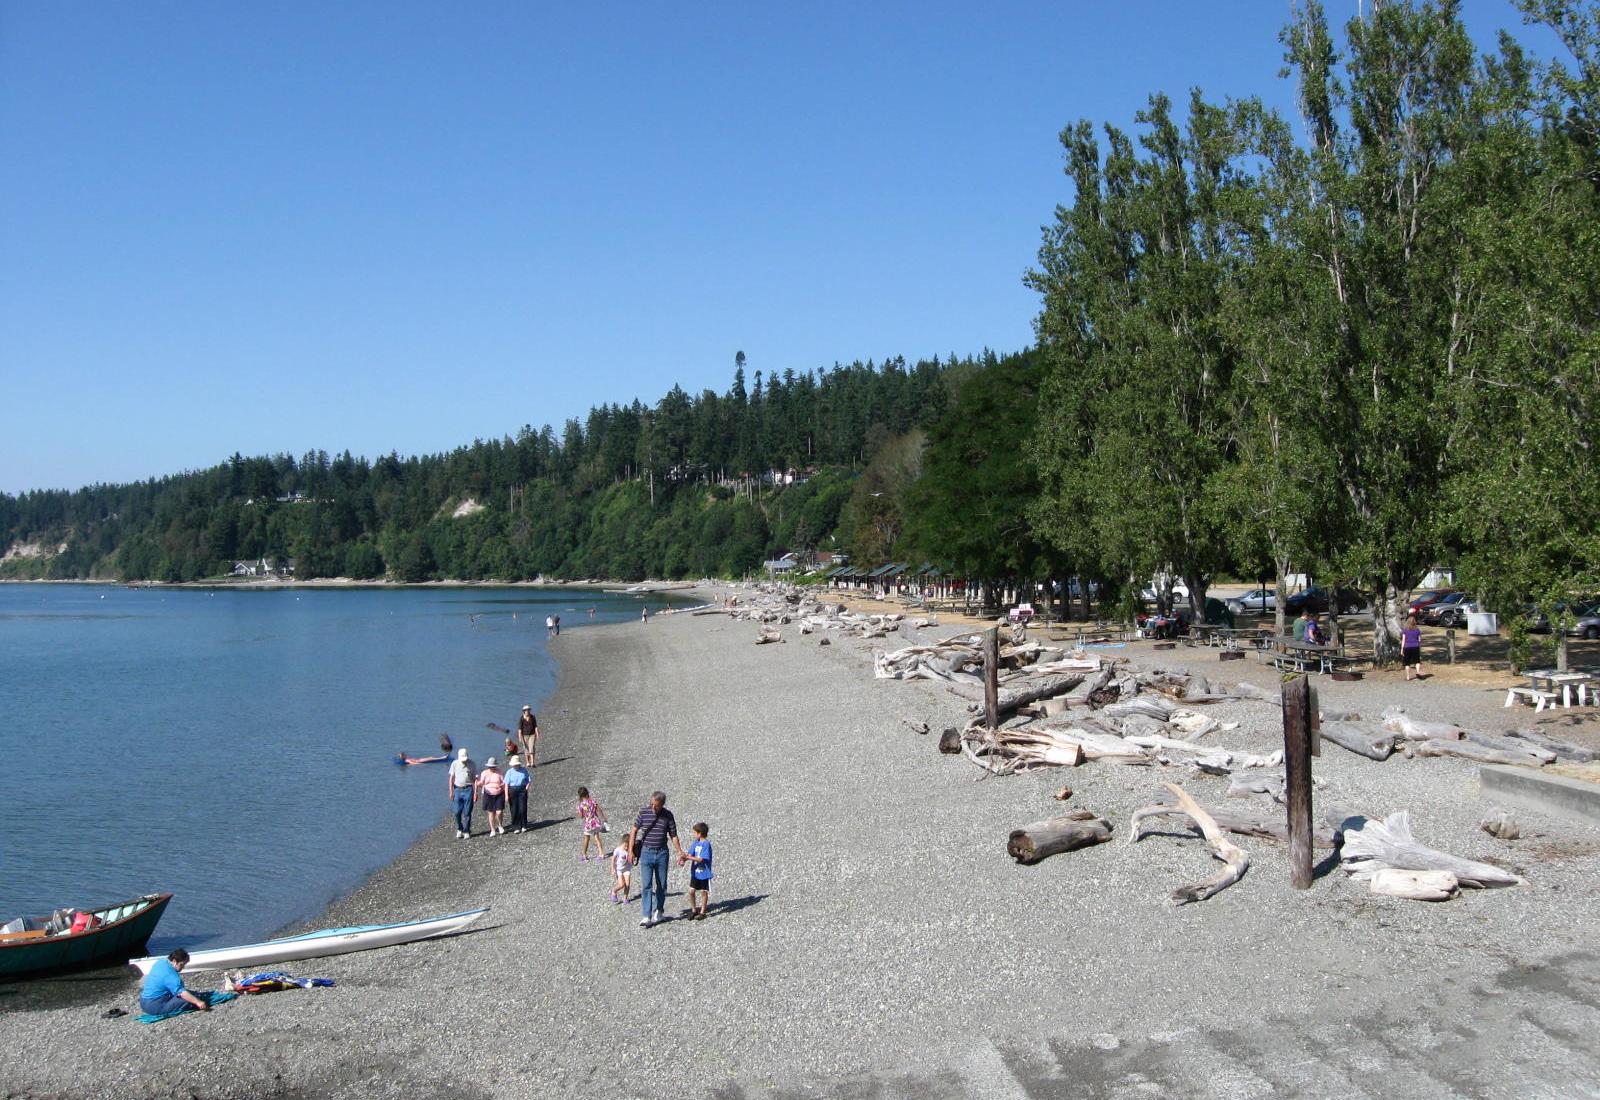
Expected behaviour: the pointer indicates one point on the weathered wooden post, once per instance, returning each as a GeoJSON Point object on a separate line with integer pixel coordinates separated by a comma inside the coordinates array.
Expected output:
{"type": "Point", "coordinates": [1299, 721]}
{"type": "Point", "coordinates": [1450, 644]}
{"type": "Point", "coordinates": [991, 677]}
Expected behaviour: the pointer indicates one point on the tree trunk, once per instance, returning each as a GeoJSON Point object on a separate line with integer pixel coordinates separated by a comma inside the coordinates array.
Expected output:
{"type": "Point", "coordinates": [1388, 620]}
{"type": "Point", "coordinates": [1197, 597]}
{"type": "Point", "coordinates": [1079, 829]}
{"type": "Point", "coordinates": [1561, 643]}
{"type": "Point", "coordinates": [1281, 597]}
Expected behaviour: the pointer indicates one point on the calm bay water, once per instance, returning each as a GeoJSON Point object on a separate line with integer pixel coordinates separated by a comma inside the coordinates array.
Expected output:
{"type": "Point", "coordinates": [235, 746]}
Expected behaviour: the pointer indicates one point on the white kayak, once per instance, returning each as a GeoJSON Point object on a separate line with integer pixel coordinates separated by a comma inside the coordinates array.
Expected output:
{"type": "Point", "coordinates": [315, 945]}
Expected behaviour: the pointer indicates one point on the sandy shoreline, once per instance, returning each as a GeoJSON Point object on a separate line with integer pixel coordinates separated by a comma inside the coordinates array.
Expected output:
{"type": "Point", "coordinates": [870, 937]}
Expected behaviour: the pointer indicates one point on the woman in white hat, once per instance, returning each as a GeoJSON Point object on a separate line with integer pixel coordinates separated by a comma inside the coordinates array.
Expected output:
{"type": "Point", "coordinates": [517, 779]}
{"type": "Point", "coordinates": [493, 787]}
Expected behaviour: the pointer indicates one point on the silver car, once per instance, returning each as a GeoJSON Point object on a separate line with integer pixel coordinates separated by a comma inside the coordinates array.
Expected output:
{"type": "Point", "coordinates": [1256, 601]}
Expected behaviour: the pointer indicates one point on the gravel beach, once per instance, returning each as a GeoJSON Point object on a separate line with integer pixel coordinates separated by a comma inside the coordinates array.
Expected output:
{"type": "Point", "coordinates": [868, 934]}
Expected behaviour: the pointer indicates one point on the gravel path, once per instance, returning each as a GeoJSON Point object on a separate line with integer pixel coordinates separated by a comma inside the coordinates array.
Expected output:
{"type": "Point", "coordinates": [868, 935]}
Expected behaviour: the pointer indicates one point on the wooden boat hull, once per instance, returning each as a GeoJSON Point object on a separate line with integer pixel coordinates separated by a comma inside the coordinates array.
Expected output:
{"type": "Point", "coordinates": [316, 945]}
{"type": "Point", "coordinates": [129, 925]}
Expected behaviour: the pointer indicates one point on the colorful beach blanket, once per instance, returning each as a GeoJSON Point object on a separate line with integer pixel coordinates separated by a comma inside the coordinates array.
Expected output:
{"type": "Point", "coordinates": [212, 998]}
{"type": "Point", "coordinates": [274, 980]}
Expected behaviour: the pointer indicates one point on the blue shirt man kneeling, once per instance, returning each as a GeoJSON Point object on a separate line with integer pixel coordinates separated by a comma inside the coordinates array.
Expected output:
{"type": "Point", "coordinates": [163, 990]}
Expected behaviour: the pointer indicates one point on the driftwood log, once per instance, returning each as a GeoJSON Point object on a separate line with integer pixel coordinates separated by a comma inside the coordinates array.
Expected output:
{"type": "Point", "coordinates": [1565, 751]}
{"type": "Point", "coordinates": [1359, 740]}
{"type": "Point", "coordinates": [1416, 885]}
{"type": "Point", "coordinates": [1512, 745]}
{"type": "Point", "coordinates": [1413, 729]}
{"type": "Point", "coordinates": [1483, 754]}
{"type": "Point", "coordinates": [1021, 691]}
{"type": "Point", "coordinates": [767, 635]}
{"type": "Point", "coordinates": [1236, 861]}
{"type": "Point", "coordinates": [1244, 821]}
{"type": "Point", "coordinates": [1078, 829]}
{"type": "Point", "coordinates": [1389, 843]}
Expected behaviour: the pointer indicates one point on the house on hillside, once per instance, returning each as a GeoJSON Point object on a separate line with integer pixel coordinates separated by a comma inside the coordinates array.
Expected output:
{"type": "Point", "coordinates": [778, 567]}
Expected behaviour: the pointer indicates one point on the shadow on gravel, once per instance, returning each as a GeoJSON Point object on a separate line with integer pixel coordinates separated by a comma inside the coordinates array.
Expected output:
{"type": "Point", "coordinates": [77, 990]}
{"type": "Point", "coordinates": [547, 763]}
{"type": "Point", "coordinates": [463, 933]}
{"type": "Point", "coordinates": [1329, 864]}
{"type": "Point", "coordinates": [733, 905]}
{"type": "Point", "coordinates": [535, 826]}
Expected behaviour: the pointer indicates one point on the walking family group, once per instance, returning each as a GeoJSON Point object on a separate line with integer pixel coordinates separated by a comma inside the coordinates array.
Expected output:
{"type": "Point", "coordinates": [652, 840]}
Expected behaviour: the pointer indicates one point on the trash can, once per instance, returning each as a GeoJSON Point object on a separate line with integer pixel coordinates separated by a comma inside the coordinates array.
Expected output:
{"type": "Point", "coordinates": [1483, 623]}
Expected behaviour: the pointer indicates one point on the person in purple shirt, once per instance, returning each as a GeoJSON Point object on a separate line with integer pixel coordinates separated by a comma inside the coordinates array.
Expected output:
{"type": "Point", "coordinates": [1411, 648]}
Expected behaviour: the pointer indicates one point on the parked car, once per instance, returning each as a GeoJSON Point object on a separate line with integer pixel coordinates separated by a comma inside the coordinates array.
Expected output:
{"type": "Point", "coordinates": [1436, 613]}
{"type": "Point", "coordinates": [1317, 599]}
{"type": "Point", "coordinates": [1256, 601]}
{"type": "Point", "coordinates": [1421, 601]}
{"type": "Point", "coordinates": [1453, 613]}
{"type": "Point", "coordinates": [1588, 624]}
{"type": "Point", "coordinates": [1180, 591]}
{"type": "Point", "coordinates": [1580, 609]}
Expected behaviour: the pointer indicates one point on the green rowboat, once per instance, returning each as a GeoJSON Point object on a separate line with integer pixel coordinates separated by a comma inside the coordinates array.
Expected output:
{"type": "Point", "coordinates": [115, 933]}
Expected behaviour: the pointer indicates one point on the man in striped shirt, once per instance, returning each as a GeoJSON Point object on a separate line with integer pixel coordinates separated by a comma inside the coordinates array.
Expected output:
{"type": "Point", "coordinates": [652, 831]}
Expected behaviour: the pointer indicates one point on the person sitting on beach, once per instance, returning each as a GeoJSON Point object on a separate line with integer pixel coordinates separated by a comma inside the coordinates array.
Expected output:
{"type": "Point", "coordinates": [528, 734]}
{"type": "Point", "coordinates": [594, 824]}
{"type": "Point", "coordinates": [461, 778]}
{"type": "Point", "coordinates": [492, 785]}
{"type": "Point", "coordinates": [700, 875]}
{"type": "Point", "coordinates": [622, 874]}
{"type": "Point", "coordinates": [163, 991]}
{"type": "Point", "coordinates": [517, 780]}
{"type": "Point", "coordinates": [1314, 632]}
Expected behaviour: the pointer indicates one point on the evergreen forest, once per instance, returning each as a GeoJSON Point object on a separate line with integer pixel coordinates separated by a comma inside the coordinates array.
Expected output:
{"type": "Point", "coordinates": [1356, 342]}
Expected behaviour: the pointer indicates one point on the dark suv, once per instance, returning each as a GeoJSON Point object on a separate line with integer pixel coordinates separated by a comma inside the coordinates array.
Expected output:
{"type": "Point", "coordinates": [1317, 599]}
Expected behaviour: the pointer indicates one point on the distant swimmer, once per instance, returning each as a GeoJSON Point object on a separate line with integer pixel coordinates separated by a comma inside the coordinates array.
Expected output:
{"type": "Point", "coordinates": [445, 746]}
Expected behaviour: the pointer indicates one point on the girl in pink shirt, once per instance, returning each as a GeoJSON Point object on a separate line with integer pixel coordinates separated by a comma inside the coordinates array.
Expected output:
{"type": "Point", "coordinates": [594, 824]}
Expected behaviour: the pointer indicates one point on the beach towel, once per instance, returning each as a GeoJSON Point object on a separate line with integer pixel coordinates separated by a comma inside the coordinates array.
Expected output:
{"type": "Point", "coordinates": [212, 998]}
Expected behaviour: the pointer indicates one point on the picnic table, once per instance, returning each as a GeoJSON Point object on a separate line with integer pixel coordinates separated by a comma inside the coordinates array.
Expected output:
{"type": "Point", "coordinates": [1558, 683]}
{"type": "Point", "coordinates": [1296, 656]}
{"type": "Point", "coordinates": [1229, 637]}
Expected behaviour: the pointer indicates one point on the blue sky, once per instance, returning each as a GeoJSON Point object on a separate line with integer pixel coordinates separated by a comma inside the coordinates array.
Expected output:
{"type": "Point", "coordinates": [275, 227]}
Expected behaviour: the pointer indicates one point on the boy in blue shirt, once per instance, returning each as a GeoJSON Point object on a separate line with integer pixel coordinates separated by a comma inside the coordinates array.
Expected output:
{"type": "Point", "coordinates": [700, 874]}
{"type": "Point", "coordinates": [163, 990]}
